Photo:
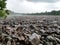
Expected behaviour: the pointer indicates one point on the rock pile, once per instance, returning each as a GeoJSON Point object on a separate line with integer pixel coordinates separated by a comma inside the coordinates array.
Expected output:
{"type": "Point", "coordinates": [30, 32]}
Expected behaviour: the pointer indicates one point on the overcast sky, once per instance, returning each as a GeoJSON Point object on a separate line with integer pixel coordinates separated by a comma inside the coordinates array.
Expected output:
{"type": "Point", "coordinates": [32, 6]}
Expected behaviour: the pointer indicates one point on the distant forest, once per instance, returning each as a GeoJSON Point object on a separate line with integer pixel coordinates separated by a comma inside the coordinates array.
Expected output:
{"type": "Point", "coordinates": [46, 13]}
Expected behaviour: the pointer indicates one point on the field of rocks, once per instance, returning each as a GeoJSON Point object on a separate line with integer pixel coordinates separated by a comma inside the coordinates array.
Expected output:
{"type": "Point", "coordinates": [30, 30]}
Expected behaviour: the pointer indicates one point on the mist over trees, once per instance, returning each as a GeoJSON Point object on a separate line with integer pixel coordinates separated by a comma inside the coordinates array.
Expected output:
{"type": "Point", "coordinates": [3, 11]}
{"type": "Point", "coordinates": [53, 12]}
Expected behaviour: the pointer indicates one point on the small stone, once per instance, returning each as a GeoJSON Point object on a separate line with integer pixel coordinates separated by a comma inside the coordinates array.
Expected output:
{"type": "Point", "coordinates": [57, 44]}
{"type": "Point", "coordinates": [40, 44]}
{"type": "Point", "coordinates": [31, 26]}
{"type": "Point", "coordinates": [43, 31]}
{"type": "Point", "coordinates": [58, 39]}
{"type": "Point", "coordinates": [9, 42]}
{"type": "Point", "coordinates": [51, 38]}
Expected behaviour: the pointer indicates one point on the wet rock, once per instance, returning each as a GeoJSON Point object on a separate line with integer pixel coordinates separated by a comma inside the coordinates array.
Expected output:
{"type": "Point", "coordinates": [9, 42]}
{"type": "Point", "coordinates": [35, 39]}
{"type": "Point", "coordinates": [49, 43]}
{"type": "Point", "coordinates": [40, 44]}
{"type": "Point", "coordinates": [42, 31]}
{"type": "Point", "coordinates": [58, 36]}
{"type": "Point", "coordinates": [0, 44]}
{"type": "Point", "coordinates": [58, 40]}
{"type": "Point", "coordinates": [32, 27]}
{"type": "Point", "coordinates": [44, 34]}
{"type": "Point", "coordinates": [0, 38]}
{"type": "Point", "coordinates": [57, 44]}
{"type": "Point", "coordinates": [51, 38]}
{"type": "Point", "coordinates": [54, 22]}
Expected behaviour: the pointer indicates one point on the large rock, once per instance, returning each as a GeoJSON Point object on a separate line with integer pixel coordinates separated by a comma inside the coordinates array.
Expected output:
{"type": "Point", "coordinates": [34, 39]}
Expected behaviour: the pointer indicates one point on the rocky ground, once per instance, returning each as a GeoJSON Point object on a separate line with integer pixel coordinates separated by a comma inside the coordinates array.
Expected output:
{"type": "Point", "coordinates": [30, 30]}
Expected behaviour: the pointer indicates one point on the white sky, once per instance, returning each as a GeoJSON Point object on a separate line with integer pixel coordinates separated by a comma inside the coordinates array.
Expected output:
{"type": "Point", "coordinates": [24, 6]}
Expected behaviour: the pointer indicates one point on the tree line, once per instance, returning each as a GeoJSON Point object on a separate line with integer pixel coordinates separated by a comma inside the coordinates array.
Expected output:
{"type": "Point", "coordinates": [54, 12]}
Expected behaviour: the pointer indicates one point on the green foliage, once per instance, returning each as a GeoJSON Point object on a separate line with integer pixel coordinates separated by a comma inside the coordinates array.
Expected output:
{"type": "Point", "coordinates": [3, 11]}
{"type": "Point", "coordinates": [51, 13]}
{"type": "Point", "coordinates": [2, 4]}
